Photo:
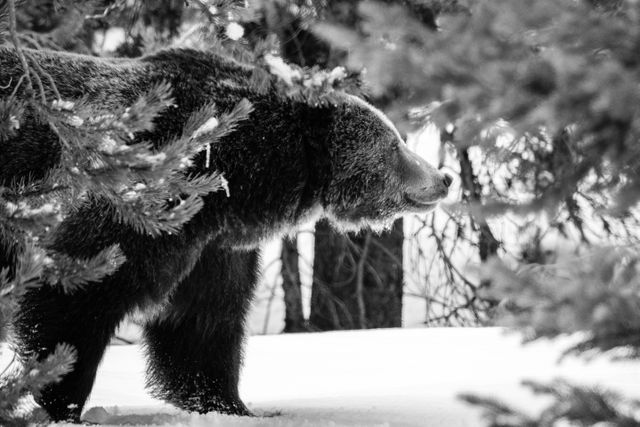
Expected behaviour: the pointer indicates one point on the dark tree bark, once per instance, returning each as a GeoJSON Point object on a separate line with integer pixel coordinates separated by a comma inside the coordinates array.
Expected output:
{"type": "Point", "coordinates": [291, 285]}
{"type": "Point", "coordinates": [472, 193]}
{"type": "Point", "coordinates": [357, 279]}
{"type": "Point", "coordinates": [487, 243]}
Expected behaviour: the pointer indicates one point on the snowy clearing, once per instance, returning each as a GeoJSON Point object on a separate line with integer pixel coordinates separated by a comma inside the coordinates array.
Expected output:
{"type": "Point", "coordinates": [392, 377]}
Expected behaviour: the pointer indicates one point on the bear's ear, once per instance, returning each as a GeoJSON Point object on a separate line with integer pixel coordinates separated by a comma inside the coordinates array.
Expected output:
{"type": "Point", "coordinates": [421, 182]}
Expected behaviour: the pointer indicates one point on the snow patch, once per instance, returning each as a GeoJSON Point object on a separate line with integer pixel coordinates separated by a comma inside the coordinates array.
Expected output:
{"type": "Point", "coordinates": [225, 185]}
{"type": "Point", "coordinates": [74, 121]}
{"type": "Point", "coordinates": [14, 124]}
{"type": "Point", "coordinates": [234, 31]}
{"type": "Point", "coordinates": [62, 105]}
{"type": "Point", "coordinates": [152, 159]}
{"type": "Point", "coordinates": [207, 127]}
{"type": "Point", "coordinates": [279, 68]}
{"type": "Point", "coordinates": [338, 73]}
{"type": "Point", "coordinates": [392, 377]}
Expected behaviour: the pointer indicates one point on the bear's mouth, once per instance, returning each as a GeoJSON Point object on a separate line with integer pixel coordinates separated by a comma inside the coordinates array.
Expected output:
{"type": "Point", "coordinates": [420, 204]}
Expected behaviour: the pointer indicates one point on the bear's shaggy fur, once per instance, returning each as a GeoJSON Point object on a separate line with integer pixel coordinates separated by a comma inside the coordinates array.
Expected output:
{"type": "Point", "coordinates": [286, 164]}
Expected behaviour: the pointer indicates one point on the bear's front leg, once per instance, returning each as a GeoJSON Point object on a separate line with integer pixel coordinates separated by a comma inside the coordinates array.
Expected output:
{"type": "Point", "coordinates": [195, 345]}
{"type": "Point", "coordinates": [84, 319]}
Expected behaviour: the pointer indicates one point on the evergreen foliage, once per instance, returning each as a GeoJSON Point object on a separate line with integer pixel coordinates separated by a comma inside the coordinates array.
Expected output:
{"type": "Point", "coordinates": [597, 294]}
{"type": "Point", "coordinates": [537, 105]}
{"type": "Point", "coordinates": [32, 377]}
{"type": "Point", "coordinates": [570, 404]}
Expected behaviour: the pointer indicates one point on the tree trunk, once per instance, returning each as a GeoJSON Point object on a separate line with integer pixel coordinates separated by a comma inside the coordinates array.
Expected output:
{"type": "Point", "coordinates": [472, 193]}
{"type": "Point", "coordinates": [357, 279]}
{"type": "Point", "coordinates": [291, 285]}
{"type": "Point", "coordinates": [487, 243]}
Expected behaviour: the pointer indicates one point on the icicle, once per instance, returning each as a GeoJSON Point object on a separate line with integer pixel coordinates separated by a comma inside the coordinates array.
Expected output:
{"type": "Point", "coordinates": [208, 158]}
{"type": "Point", "coordinates": [225, 186]}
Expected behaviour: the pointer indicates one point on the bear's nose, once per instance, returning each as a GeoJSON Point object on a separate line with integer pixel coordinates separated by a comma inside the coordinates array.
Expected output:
{"type": "Point", "coordinates": [448, 179]}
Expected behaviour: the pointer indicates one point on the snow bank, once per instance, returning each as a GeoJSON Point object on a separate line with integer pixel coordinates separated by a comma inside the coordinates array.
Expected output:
{"type": "Point", "coordinates": [401, 377]}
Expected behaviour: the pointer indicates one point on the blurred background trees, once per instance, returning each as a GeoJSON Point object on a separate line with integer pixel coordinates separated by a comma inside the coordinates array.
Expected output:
{"type": "Point", "coordinates": [536, 104]}
{"type": "Point", "coordinates": [532, 105]}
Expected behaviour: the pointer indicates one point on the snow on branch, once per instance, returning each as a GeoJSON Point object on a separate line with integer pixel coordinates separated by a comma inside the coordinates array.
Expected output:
{"type": "Point", "coordinates": [312, 85]}
{"type": "Point", "coordinates": [165, 196]}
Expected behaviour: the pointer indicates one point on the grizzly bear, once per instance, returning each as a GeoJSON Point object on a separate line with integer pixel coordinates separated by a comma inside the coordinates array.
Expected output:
{"type": "Point", "coordinates": [288, 163]}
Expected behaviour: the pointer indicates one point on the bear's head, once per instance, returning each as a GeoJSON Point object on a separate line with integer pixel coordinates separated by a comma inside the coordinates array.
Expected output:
{"type": "Point", "coordinates": [291, 163]}
{"type": "Point", "coordinates": [374, 176]}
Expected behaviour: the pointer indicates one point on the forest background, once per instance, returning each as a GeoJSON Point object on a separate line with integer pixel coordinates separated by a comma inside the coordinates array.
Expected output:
{"type": "Point", "coordinates": [532, 105]}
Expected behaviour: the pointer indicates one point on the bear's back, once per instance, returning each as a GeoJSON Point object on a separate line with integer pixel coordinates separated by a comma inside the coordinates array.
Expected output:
{"type": "Point", "coordinates": [108, 84]}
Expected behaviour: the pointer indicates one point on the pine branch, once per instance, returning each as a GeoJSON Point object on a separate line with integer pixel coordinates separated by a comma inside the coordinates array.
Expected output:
{"type": "Point", "coordinates": [497, 413]}
{"type": "Point", "coordinates": [157, 203]}
{"type": "Point", "coordinates": [72, 273]}
{"type": "Point", "coordinates": [577, 405]}
{"type": "Point", "coordinates": [35, 219]}
{"type": "Point", "coordinates": [311, 85]}
{"type": "Point", "coordinates": [598, 294]}
{"type": "Point", "coordinates": [33, 376]}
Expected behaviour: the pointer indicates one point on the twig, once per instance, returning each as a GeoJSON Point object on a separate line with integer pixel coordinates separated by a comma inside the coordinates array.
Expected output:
{"type": "Point", "coordinates": [105, 12]}
{"type": "Point", "coordinates": [333, 304]}
{"type": "Point", "coordinates": [25, 65]}
{"type": "Point", "coordinates": [8, 84]}
{"type": "Point", "coordinates": [272, 295]}
{"type": "Point", "coordinates": [54, 88]}
{"type": "Point", "coordinates": [15, 89]}
{"type": "Point", "coordinates": [13, 34]}
{"type": "Point", "coordinates": [362, 316]}
{"type": "Point", "coordinates": [449, 262]}
{"type": "Point", "coordinates": [207, 10]}
{"type": "Point", "coordinates": [9, 365]}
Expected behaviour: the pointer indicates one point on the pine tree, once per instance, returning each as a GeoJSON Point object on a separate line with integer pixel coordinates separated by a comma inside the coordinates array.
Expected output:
{"type": "Point", "coordinates": [537, 107]}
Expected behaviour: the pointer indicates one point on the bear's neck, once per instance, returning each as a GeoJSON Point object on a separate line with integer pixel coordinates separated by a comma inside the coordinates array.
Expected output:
{"type": "Point", "coordinates": [278, 167]}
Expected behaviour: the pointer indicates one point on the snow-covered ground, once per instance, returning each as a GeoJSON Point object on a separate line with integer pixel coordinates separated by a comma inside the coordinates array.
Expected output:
{"type": "Point", "coordinates": [393, 377]}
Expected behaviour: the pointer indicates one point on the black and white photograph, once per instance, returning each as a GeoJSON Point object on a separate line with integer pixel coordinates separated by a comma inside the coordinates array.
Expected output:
{"type": "Point", "coordinates": [320, 213]}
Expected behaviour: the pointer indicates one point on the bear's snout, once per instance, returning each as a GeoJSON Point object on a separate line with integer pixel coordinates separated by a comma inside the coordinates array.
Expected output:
{"type": "Point", "coordinates": [423, 185]}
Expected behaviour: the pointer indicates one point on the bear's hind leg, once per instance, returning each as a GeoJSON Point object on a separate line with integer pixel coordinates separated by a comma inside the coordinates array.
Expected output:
{"type": "Point", "coordinates": [195, 345]}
